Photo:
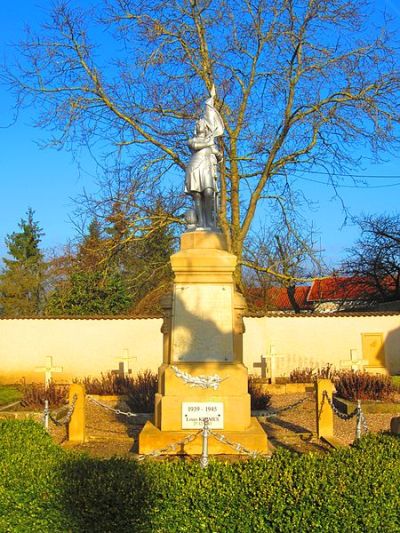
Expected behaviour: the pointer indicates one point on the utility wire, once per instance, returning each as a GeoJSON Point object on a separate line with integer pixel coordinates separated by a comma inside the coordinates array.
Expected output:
{"type": "Point", "coordinates": [343, 174]}
{"type": "Point", "coordinates": [350, 186]}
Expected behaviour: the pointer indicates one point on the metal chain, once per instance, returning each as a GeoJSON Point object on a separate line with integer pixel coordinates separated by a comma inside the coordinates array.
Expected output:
{"type": "Point", "coordinates": [66, 419]}
{"type": "Point", "coordinates": [116, 411]}
{"type": "Point", "coordinates": [287, 408]}
{"type": "Point", "coordinates": [364, 422]}
{"type": "Point", "coordinates": [5, 407]}
{"type": "Point", "coordinates": [235, 445]}
{"type": "Point", "coordinates": [336, 411]}
{"type": "Point", "coordinates": [171, 447]}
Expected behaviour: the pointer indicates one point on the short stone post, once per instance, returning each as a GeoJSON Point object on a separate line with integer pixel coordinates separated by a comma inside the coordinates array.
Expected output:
{"type": "Point", "coordinates": [76, 426]}
{"type": "Point", "coordinates": [324, 411]}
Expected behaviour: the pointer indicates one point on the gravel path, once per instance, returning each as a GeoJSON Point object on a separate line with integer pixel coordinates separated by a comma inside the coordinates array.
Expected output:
{"type": "Point", "coordinates": [295, 429]}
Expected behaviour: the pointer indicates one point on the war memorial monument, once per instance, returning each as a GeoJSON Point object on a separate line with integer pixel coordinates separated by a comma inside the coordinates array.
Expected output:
{"type": "Point", "coordinates": [202, 374]}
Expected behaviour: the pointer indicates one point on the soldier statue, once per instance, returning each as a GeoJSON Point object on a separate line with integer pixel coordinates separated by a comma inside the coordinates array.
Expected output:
{"type": "Point", "coordinates": [201, 172]}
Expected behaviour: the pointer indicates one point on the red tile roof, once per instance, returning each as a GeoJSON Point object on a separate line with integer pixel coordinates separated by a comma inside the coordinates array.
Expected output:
{"type": "Point", "coordinates": [277, 298]}
{"type": "Point", "coordinates": [340, 288]}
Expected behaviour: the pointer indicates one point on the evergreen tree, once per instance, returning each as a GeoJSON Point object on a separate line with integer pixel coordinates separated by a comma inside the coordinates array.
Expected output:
{"type": "Point", "coordinates": [90, 293]}
{"type": "Point", "coordinates": [23, 276]}
{"type": "Point", "coordinates": [94, 285]}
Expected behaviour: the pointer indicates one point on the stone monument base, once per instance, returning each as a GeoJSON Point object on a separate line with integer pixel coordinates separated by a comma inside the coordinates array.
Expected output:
{"type": "Point", "coordinates": [254, 439]}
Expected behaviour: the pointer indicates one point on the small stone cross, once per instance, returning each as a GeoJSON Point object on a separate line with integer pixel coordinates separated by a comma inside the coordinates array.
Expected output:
{"type": "Point", "coordinates": [123, 367]}
{"type": "Point", "coordinates": [48, 370]}
{"type": "Point", "coordinates": [262, 365]}
{"type": "Point", "coordinates": [355, 363]}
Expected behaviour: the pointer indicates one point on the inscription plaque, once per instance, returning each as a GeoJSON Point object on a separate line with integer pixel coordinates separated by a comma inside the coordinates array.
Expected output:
{"type": "Point", "coordinates": [193, 414]}
{"type": "Point", "coordinates": [202, 327]}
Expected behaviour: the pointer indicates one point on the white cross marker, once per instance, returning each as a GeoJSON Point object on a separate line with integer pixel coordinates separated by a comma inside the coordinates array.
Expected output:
{"type": "Point", "coordinates": [48, 370]}
{"type": "Point", "coordinates": [124, 359]}
{"type": "Point", "coordinates": [355, 363]}
{"type": "Point", "coordinates": [273, 356]}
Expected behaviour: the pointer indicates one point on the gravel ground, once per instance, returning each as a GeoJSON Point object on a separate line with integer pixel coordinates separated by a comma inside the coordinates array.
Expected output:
{"type": "Point", "coordinates": [294, 429]}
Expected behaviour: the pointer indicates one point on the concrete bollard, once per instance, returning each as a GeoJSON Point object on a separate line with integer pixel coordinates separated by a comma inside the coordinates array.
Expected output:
{"type": "Point", "coordinates": [76, 426]}
{"type": "Point", "coordinates": [324, 412]}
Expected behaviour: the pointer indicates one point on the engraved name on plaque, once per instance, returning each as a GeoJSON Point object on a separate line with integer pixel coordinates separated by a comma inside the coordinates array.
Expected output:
{"type": "Point", "coordinates": [203, 323]}
{"type": "Point", "coordinates": [194, 413]}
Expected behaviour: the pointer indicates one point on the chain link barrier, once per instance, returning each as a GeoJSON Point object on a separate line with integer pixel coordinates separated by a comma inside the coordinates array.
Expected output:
{"type": "Point", "coordinates": [5, 407]}
{"type": "Point", "coordinates": [287, 408]}
{"type": "Point", "coordinates": [361, 420]}
{"type": "Point", "coordinates": [116, 411]}
{"type": "Point", "coordinates": [66, 418]}
{"type": "Point", "coordinates": [336, 411]}
{"type": "Point", "coordinates": [171, 447]}
{"type": "Point", "coordinates": [234, 445]}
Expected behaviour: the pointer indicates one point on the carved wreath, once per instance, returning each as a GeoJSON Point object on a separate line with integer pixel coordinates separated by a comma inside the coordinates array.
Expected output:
{"type": "Point", "coordinates": [204, 382]}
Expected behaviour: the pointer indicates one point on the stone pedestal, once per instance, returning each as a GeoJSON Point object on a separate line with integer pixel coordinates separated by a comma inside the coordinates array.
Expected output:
{"type": "Point", "coordinates": [203, 330]}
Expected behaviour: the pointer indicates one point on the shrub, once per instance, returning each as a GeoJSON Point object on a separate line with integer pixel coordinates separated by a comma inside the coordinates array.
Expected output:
{"type": "Point", "coordinates": [107, 384]}
{"type": "Point", "coordinates": [301, 375]}
{"type": "Point", "coordinates": [352, 385]}
{"type": "Point", "coordinates": [142, 391]}
{"type": "Point", "coordinates": [259, 399]}
{"type": "Point", "coordinates": [139, 389]}
{"type": "Point", "coordinates": [43, 488]}
{"type": "Point", "coordinates": [35, 394]}
{"type": "Point", "coordinates": [29, 479]}
{"type": "Point", "coordinates": [326, 372]}
{"type": "Point", "coordinates": [309, 375]}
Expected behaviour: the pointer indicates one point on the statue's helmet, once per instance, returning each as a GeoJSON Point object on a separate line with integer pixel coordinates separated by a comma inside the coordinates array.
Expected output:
{"type": "Point", "coordinates": [202, 126]}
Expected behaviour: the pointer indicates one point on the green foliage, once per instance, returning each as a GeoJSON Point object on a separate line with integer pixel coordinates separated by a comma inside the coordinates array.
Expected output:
{"type": "Point", "coordinates": [22, 279]}
{"type": "Point", "coordinates": [352, 385]}
{"type": "Point", "coordinates": [396, 382]}
{"type": "Point", "coordinates": [259, 399]}
{"type": "Point", "coordinates": [29, 471]}
{"type": "Point", "coordinates": [9, 394]}
{"type": "Point", "coordinates": [92, 284]}
{"type": "Point", "coordinates": [90, 293]}
{"type": "Point", "coordinates": [43, 488]}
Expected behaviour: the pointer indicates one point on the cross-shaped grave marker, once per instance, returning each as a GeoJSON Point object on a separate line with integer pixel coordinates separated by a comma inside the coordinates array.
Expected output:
{"type": "Point", "coordinates": [123, 366]}
{"type": "Point", "coordinates": [262, 365]}
{"type": "Point", "coordinates": [270, 366]}
{"type": "Point", "coordinates": [48, 370]}
{"type": "Point", "coordinates": [273, 356]}
{"type": "Point", "coordinates": [355, 363]}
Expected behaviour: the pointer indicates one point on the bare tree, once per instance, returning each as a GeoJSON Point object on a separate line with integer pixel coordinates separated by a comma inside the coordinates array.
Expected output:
{"type": "Point", "coordinates": [299, 84]}
{"type": "Point", "coordinates": [375, 258]}
{"type": "Point", "coordinates": [281, 256]}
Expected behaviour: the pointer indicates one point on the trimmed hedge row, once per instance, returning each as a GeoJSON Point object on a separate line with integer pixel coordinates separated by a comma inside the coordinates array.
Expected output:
{"type": "Point", "coordinates": [43, 488]}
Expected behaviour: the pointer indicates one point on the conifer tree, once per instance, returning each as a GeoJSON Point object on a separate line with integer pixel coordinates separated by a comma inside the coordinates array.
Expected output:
{"type": "Point", "coordinates": [94, 285]}
{"type": "Point", "coordinates": [23, 276]}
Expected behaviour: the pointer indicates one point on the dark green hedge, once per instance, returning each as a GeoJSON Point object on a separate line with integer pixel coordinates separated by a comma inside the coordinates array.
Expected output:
{"type": "Point", "coordinates": [43, 488]}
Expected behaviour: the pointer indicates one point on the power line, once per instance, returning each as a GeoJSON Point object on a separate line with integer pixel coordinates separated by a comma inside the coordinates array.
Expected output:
{"type": "Point", "coordinates": [351, 186]}
{"type": "Point", "coordinates": [339, 174]}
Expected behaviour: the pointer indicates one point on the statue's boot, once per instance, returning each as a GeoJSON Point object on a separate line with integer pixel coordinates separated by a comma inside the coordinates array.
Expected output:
{"type": "Point", "coordinates": [199, 211]}
{"type": "Point", "coordinates": [209, 208]}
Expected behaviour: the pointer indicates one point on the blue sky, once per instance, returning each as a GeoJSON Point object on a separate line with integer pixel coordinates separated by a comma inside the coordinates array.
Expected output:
{"type": "Point", "coordinates": [47, 180]}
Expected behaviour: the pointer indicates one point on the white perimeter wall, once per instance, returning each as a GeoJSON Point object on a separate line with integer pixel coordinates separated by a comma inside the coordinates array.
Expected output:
{"type": "Point", "coordinates": [81, 347]}
{"type": "Point", "coordinates": [313, 341]}
{"type": "Point", "coordinates": [88, 347]}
